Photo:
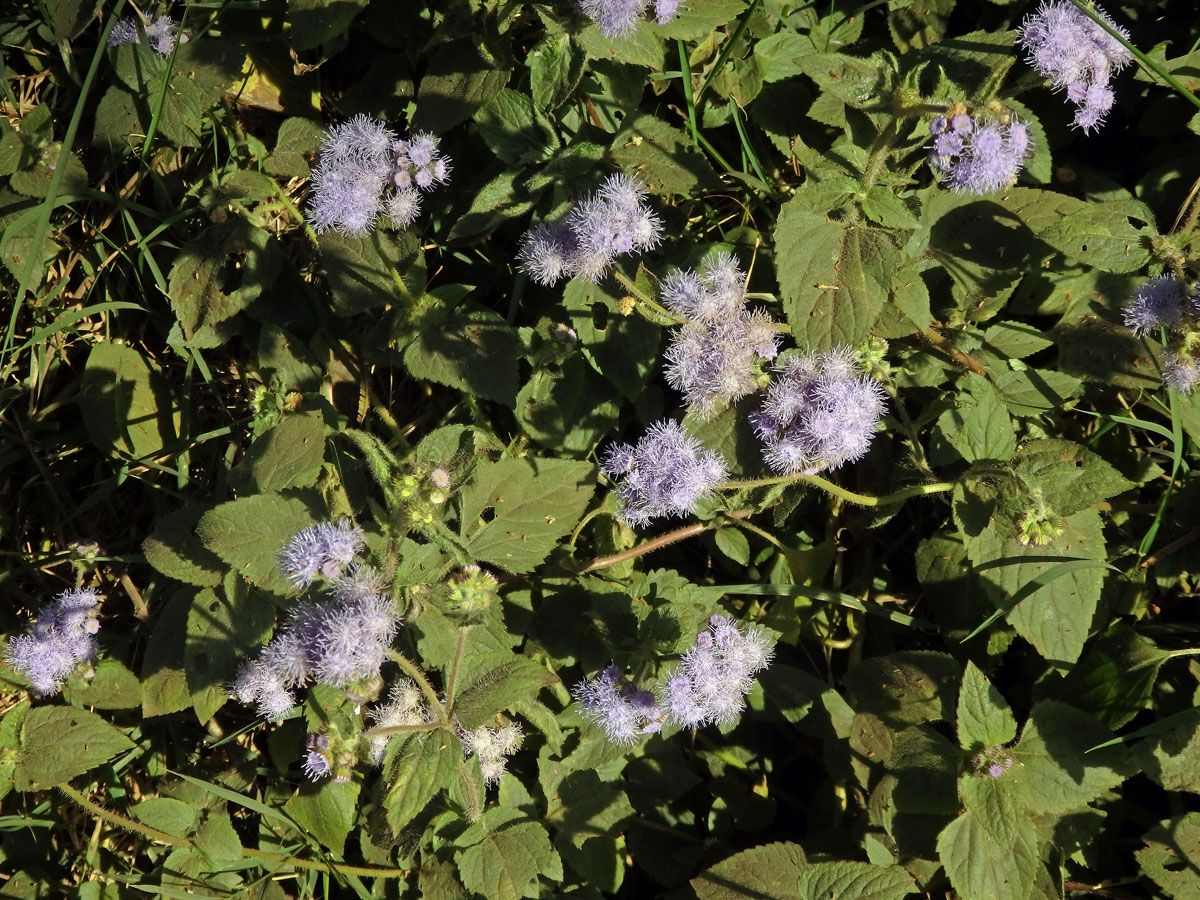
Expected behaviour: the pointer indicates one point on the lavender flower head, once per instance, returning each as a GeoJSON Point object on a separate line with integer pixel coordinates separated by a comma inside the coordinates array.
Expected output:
{"type": "Point", "coordinates": [60, 638]}
{"type": "Point", "coordinates": [622, 711]}
{"type": "Point", "coordinates": [665, 474]}
{"type": "Point", "coordinates": [711, 359]}
{"type": "Point", "coordinates": [977, 156]}
{"type": "Point", "coordinates": [1181, 372]}
{"type": "Point", "coordinates": [320, 549]}
{"type": "Point", "coordinates": [492, 747]}
{"type": "Point", "coordinates": [339, 641]}
{"type": "Point", "coordinates": [1157, 303]}
{"type": "Point", "coordinates": [317, 764]}
{"type": "Point", "coordinates": [367, 171]}
{"type": "Point", "coordinates": [161, 34]}
{"type": "Point", "coordinates": [1076, 55]}
{"type": "Point", "coordinates": [819, 414]}
{"type": "Point", "coordinates": [618, 18]}
{"type": "Point", "coordinates": [599, 227]}
{"type": "Point", "coordinates": [716, 674]}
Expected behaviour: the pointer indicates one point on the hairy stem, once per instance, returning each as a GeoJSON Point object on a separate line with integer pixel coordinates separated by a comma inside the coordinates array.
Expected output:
{"type": "Point", "coordinates": [642, 297]}
{"type": "Point", "coordinates": [837, 490]}
{"type": "Point", "coordinates": [671, 537]}
{"type": "Point", "coordinates": [161, 837]}
{"type": "Point", "coordinates": [452, 681]}
{"type": "Point", "coordinates": [414, 672]}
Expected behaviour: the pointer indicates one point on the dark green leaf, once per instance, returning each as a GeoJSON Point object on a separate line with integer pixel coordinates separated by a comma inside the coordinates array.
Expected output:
{"type": "Point", "coordinates": [327, 811]}
{"type": "Point", "coordinates": [60, 742]}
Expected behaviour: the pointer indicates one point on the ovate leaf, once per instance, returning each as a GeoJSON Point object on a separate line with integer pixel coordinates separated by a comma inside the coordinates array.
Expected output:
{"type": "Point", "coordinates": [846, 880]}
{"type": "Point", "coordinates": [60, 742]}
{"type": "Point", "coordinates": [426, 764]}
{"type": "Point", "coordinates": [506, 864]}
{"type": "Point", "coordinates": [249, 532]}
{"type": "Point", "coordinates": [988, 860]}
{"type": "Point", "coordinates": [984, 719]}
{"type": "Point", "coordinates": [327, 811]}
{"type": "Point", "coordinates": [770, 871]}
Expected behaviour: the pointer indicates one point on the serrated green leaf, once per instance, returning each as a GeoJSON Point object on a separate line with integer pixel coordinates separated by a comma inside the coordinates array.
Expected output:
{"type": "Point", "coordinates": [60, 742]}
{"type": "Point", "coordinates": [570, 410]}
{"type": "Point", "coordinates": [426, 764]}
{"type": "Point", "coordinates": [219, 633]}
{"type": "Point", "coordinates": [880, 204]}
{"type": "Point", "coordinates": [699, 19]}
{"type": "Point", "coordinates": [462, 76]}
{"type": "Point", "coordinates": [515, 130]}
{"type": "Point", "coordinates": [847, 880]}
{"type": "Point", "coordinates": [289, 455]}
{"type": "Point", "coordinates": [1101, 235]}
{"type": "Point", "coordinates": [833, 279]}
{"type": "Point", "coordinates": [860, 83]}
{"type": "Point", "coordinates": [327, 811]}
{"type": "Point", "coordinates": [978, 428]}
{"type": "Point", "coordinates": [498, 201]}
{"type": "Point", "coordinates": [772, 871]}
{"type": "Point", "coordinates": [1115, 678]}
{"type": "Point", "coordinates": [733, 543]}
{"type": "Point", "coordinates": [474, 351]}
{"type": "Point", "coordinates": [984, 719]}
{"type": "Point", "coordinates": [986, 862]}
{"type": "Point", "coordinates": [641, 47]}
{"type": "Point", "coordinates": [174, 549]}
{"type": "Point", "coordinates": [109, 685]}
{"type": "Point", "coordinates": [167, 814]}
{"type": "Point", "coordinates": [126, 403]}
{"type": "Point", "coordinates": [297, 141]}
{"type": "Point", "coordinates": [505, 865]}
{"type": "Point", "coordinates": [312, 23]}
{"type": "Point", "coordinates": [1172, 759]}
{"type": "Point", "coordinates": [1031, 392]}
{"type": "Point", "coordinates": [624, 349]}
{"type": "Point", "coordinates": [362, 270]}
{"type": "Point", "coordinates": [500, 688]}
{"type": "Point", "coordinates": [533, 503]}
{"type": "Point", "coordinates": [1069, 476]}
{"type": "Point", "coordinates": [1171, 857]}
{"type": "Point", "coordinates": [906, 688]}
{"type": "Point", "coordinates": [164, 680]}
{"type": "Point", "coordinates": [1054, 772]}
{"type": "Point", "coordinates": [663, 158]}
{"type": "Point", "coordinates": [1015, 340]}
{"type": "Point", "coordinates": [584, 807]}
{"type": "Point", "coordinates": [249, 532]}
{"type": "Point", "coordinates": [555, 70]}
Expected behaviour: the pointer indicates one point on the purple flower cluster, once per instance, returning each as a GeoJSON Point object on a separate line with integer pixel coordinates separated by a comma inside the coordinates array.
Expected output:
{"type": "Point", "coordinates": [623, 710]}
{"type": "Point", "coordinates": [1076, 55]}
{"type": "Point", "coordinates": [61, 637]}
{"type": "Point", "coordinates": [161, 34]}
{"type": "Point", "coordinates": [819, 414]}
{"type": "Point", "coordinates": [978, 156]}
{"type": "Point", "coordinates": [665, 474]}
{"type": "Point", "coordinates": [617, 18]}
{"type": "Point", "coordinates": [992, 762]}
{"type": "Point", "coordinates": [712, 357]}
{"type": "Point", "coordinates": [320, 549]}
{"type": "Point", "coordinates": [708, 687]}
{"type": "Point", "coordinates": [1161, 302]}
{"type": "Point", "coordinates": [599, 227]}
{"type": "Point", "coordinates": [338, 641]}
{"type": "Point", "coordinates": [492, 747]}
{"type": "Point", "coordinates": [716, 674]}
{"type": "Point", "coordinates": [366, 170]}
{"type": "Point", "coordinates": [317, 764]}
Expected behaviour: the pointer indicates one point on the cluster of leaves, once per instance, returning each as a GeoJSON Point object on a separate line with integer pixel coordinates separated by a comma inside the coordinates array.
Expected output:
{"type": "Point", "coordinates": [189, 376]}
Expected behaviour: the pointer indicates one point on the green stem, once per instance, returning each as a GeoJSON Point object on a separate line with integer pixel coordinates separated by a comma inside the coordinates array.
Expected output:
{"type": "Point", "coordinates": [670, 537]}
{"type": "Point", "coordinates": [452, 681]}
{"type": "Point", "coordinates": [685, 71]}
{"type": "Point", "coordinates": [919, 490]}
{"type": "Point", "coordinates": [642, 297]}
{"type": "Point", "coordinates": [388, 730]}
{"type": "Point", "coordinates": [729, 45]}
{"type": "Point", "coordinates": [161, 837]}
{"type": "Point", "coordinates": [413, 671]}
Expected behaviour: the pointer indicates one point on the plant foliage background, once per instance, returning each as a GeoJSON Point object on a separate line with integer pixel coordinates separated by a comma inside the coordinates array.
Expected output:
{"type": "Point", "coordinates": [981, 682]}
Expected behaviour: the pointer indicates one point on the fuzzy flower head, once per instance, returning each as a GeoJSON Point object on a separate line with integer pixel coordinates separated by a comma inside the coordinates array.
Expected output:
{"type": "Point", "coordinates": [600, 226]}
{"type": "Point", "coordinates": [1076, 55]}
{"type": "Point", "coordinates": [59, 639]}
{"type": "Point", "coordinates": [712, 359]}
{"type": "Point", "coordinates": [977, 156]}
{"type": "Point", "coordinates": [715, 675]}
{"type": "Point", "coordinates": [367, 172]}
{"type": "Point", "coordinates": [1181, 372]}
{"type": "Point", "coordinates": [619, 18]}
{"type": "Point", "coordinates": [492, 747]}
{"type": "Point", "coordinates": [405, 706]}
{"type": "Point", "coordinates": [1157, 303]}
{"type": "Point", "coordinates": [820, 413]}
{"type": "Point", "coordinates": [665, 474]}
{"type": "Point", "coordinates": [621, 710]}
{"type": "Point", "coordinates": [161, 34]}
{"type": "Point", "coordinates": [320, 549]}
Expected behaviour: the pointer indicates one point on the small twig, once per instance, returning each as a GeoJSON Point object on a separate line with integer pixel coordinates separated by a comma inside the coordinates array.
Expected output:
{"type": "Point", "coordinates": [953, 352]}
{"type": "Point", "coordinates": [671, 537]}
